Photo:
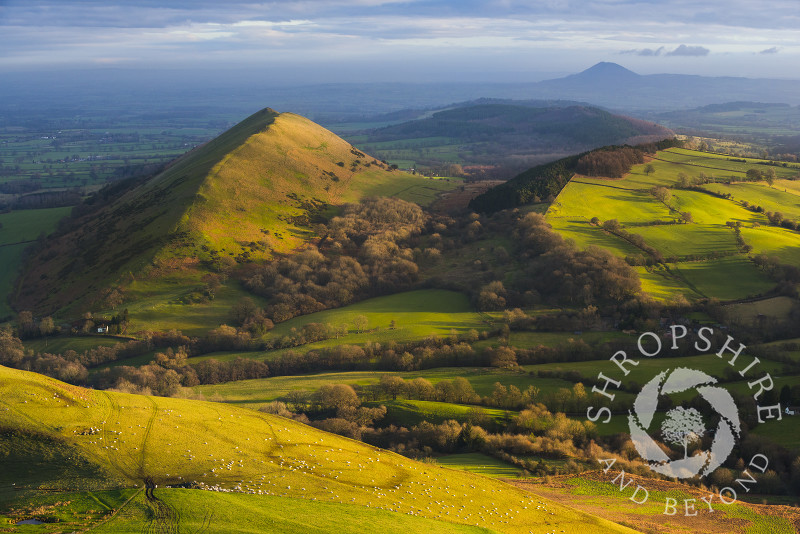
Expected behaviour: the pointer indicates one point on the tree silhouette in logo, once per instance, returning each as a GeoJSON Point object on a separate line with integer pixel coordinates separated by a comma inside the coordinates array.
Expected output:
{"type": "Point", "coordinates": [681, 426]}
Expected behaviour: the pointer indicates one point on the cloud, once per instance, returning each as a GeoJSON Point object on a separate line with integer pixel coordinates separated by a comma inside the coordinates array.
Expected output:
{"type": "Point", "coordinates": [773, 50]}
{"type": "Point", "coordinates": [644, 51]}
{"type": "Point", "coordinates": [693, 51]}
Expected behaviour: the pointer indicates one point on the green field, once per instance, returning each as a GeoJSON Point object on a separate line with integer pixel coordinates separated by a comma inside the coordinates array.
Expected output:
{"type": "Point", "coordinates": [786, 432]}
{"type": "Point", "coordinates": [61, 344]}
{"type": "Point", "coordinates": [417, 314]}
{"type": "Point", "coordinates": [18, 229]}
{"type": "Point", "coordinates": [650, 367]}
{"type": "Point", "coordinates": [707, 238]}
{"type": "Point", "coordinates": [774, 241]}
{"type": "Point", "coordinates": [528, 340]}
{"type": "Point", "coordinates": [412, 412]}
{"type": "Point", "coordinates": [70, 439]}
{"type": "Point", "coordinates": [155, 304]}
{"type": "Point", "coordinates": [778, 307]}
{"type": "Point", "coordinates": [257, 392]}
{"type": "Point", "coordinates": [205, 511]}
{"type": "Point", "coordinates": [476, 462]}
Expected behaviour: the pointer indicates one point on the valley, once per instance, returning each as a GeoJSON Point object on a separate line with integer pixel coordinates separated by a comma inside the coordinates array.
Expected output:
{"type": "Point", "coordinates": [283, 327]}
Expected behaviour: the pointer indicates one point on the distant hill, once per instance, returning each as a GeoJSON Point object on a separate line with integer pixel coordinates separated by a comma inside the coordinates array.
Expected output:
{"type": "Point", "coordinates": [509, 133]}
{"type": "Point", "coordinates": [247, 195]}
{"type": "Point", "coordinates": [611, 85]}
{"type": "Point", "coordinates": [772, 122]}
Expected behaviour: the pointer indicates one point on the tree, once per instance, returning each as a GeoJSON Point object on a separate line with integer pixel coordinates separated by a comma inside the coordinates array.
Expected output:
{"type": "Point", "coordinates": [243, 310]}
{"type": "Point", "coordinates": [649, 169]}
{"type": "Point", "coordinates": [611, 225]}
{"type": "Point", "coordinates": [687, 217]}
{"type": "Point", "coordinates": [338, 396]}
{"type": "Point", "coordinates": [503, 357]}
{"type": "Point", "coordinates": [47, 326]}
{"type": "Point", "coordinates": [769, 176]}
{"type": "Point", "coordinates": [661, 193]}
{"type": "Point", "coordinates": [754, 174]}
{"type": "Point", "coordinates": [360, 323]}
{"type": "Point", "coordinates": [392, 385]}
{"type": "Point", "coordinates": [26, 326]}
{"type": "Point", "coordinates": [683, 427]}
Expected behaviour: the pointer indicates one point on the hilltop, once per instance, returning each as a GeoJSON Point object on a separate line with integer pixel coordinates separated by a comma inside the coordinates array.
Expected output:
{"type": "Point", "coordinates": [253, 192]}
{"type": "Point", "coordinates": [508, 135]}
{"type": "Point", "coordinates": [73, 440]}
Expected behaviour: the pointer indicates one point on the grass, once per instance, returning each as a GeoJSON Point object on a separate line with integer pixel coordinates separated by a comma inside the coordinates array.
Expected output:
{"type": "Point", "coordinates": [257, 392]}
{"type": "Point", "coordinates": [73, 511]}
{"type": "Point", "coordinates": [774, 241]}
{"type": "Point", "coordinates": [417, 314]}
{"type": "Point", "coordinates": [713, 278]}
{"type": "Point", "coordinates": [778, 307]}
{"type": "Point", "coordinates": [601, 495]}
{"type": "Point", "coordinates": [61, 344]}
{"type": "Point", "coordinates": [17, 230]}
{"type": "Point", "coordinates": [195, 511]}
{"type": "Point", "coordinates": [412, 412]}
{"type": "Point", "coordinates": [685, 239]}
{"type": "Point", "coordinates": [782, 199]}
{"type": "Point", "coordinates": [707, 238]}
{"type": "Point", "coordinates": [155, 304]}
{"type": "Point", "coordinates": [118, 440]}
{"type": "Point", "coordinates": [27, 225]}
{"type": "Point", "coordinates": [476, 462]}
{"type": "Point", "coordinates": [528, 340]}
{"type": "Point", "coordinates": [786, 432]}
{"type": "Point", "coordinates": [649, 367]}
{"type": "Point", "coordinates": [247, 195]}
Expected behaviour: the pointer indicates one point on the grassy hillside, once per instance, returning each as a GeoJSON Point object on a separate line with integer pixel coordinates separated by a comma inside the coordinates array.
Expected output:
{"type": "Point", "coordinates": [253, 192]}
{"type": "Point", "coordinates": [18, 229]}
{"type": "Point", "coordinates": [70, 439]}
{"type": "Point", "coordinates": [703, 255]}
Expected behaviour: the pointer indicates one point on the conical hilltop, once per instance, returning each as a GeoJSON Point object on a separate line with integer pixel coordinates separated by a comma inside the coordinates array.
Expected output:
{"type": "Point", "coordinates": [252, 192]}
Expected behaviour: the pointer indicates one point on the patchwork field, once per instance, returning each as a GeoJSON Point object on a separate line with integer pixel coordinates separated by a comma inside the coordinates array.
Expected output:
{"type": "Point", "coordinates": [703, 255]}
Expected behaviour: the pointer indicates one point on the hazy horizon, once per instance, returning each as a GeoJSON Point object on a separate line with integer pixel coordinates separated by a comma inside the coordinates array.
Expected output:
{"type": "Point", "coordinates": [361, 41]}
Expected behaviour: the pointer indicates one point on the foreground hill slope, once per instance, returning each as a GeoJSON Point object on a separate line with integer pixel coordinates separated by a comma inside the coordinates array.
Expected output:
{"type": "Point", "coordinates": [250, 193]}
{"type": "Point", "coordinates": [67, 439]}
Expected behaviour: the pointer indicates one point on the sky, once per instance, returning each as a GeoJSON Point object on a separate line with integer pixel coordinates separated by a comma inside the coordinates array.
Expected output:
{"type": "Point", "coordinates": [427, 40]}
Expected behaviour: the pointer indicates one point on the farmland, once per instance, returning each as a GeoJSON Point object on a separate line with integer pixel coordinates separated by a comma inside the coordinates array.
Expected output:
{"type": "Point", "coordinates": [703, 254]}
{"type": "Point", "coordinates": [254, 393]}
